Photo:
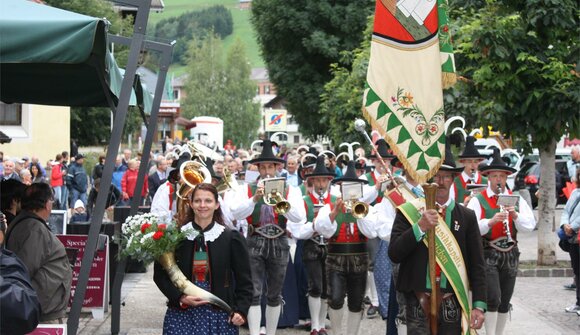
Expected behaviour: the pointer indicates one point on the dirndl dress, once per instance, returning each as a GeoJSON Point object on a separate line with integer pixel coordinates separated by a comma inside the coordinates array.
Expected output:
{"type": "Point", "coordinates": [201, 320]}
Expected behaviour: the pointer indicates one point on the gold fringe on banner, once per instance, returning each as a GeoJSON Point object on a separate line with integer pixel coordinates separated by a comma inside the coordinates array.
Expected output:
{"type": "Point", "coordinates": [448, 79]}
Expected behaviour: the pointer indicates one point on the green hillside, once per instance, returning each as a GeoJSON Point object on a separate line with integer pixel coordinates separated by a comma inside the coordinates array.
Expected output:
{"type": "Point", "coordinates": [242, 27]}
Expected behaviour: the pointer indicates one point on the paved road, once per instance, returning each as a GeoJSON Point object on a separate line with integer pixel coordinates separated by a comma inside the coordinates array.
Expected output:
{"type": "Point", "coordinates": [538, 305]}
{"type": "Point", "coordinates": [538, 309]}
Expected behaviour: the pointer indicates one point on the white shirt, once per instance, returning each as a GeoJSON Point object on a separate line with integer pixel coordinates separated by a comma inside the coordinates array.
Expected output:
{"type": "Point", "coordinates": [386, 213]}
{"type": "Point", "coordinates": [525, 222]}
{"type": "Point", "coordinates": [242, 205]}
{"type": "Point", "coordinates": [241, 224]}
{"type": "Point", "coordinates": [327, 228]}
{"type": "Point", "coordinates": [303, 230]}
{"type": "Point", "coordinates": [160, 203]}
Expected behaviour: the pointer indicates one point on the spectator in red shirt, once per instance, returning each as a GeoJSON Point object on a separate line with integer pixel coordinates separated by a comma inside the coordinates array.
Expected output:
{"type": "Point", "coordinates": [129, 182]}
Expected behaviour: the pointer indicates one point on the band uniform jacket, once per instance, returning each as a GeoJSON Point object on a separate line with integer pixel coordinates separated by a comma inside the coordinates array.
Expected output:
{"type": "Point", "coordinates": [229, 268]}
{"type": "Point", "coordinates": [414, 257]}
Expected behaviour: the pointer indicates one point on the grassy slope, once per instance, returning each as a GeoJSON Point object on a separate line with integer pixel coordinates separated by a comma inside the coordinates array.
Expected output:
{"type": "Point", "coordinates": [242, 26]}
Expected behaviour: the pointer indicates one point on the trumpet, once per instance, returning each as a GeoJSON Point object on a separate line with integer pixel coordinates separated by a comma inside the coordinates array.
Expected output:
{"type": "Point", "coordinates": [506, 222]}
{"type": "Point", "coordinates": [358, 209]}
{"type": "Point", "coordinates": [273, 188]}
{"type": "Point", "coordinates": [281, 206]}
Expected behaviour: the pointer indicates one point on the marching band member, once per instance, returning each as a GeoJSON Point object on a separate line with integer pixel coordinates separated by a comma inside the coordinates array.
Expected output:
{"type": "Point", "coordinates": [408, 248]}
{"type": "Point", "coordinates": [470, 159]}
{"type": "Point", "coordinates": [374, 194]}
{"type": "Point", "coordinates": [499, 229]}
{"type": "Point", "coordinates": [347, 260]}
{"type": "Point", "coordinates": [315, 248]}
{"type": "Point", "coordinates": [164, 203]}
{"type": "Point", "coordinates": [267, 242]}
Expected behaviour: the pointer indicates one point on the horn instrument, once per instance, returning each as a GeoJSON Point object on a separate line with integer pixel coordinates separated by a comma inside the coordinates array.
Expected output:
{"type": "Point", "coordinates": [358, 209]}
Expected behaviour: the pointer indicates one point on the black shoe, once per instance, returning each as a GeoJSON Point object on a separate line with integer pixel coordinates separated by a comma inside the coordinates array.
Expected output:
{"type": "Point", "coordinates": [372, 312]}
{"type": "Point", "coordinates": [570, 287]}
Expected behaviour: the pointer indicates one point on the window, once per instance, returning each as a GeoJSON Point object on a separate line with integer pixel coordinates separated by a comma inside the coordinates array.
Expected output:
{"type": "Point", "coordinates": [267, 89]}
{"type": "Point", "coordinates": [296, 139]}
{"type": "Point", "coordinates": [10, 114]}
{"type": "Point", "coordinates": [175, 94]}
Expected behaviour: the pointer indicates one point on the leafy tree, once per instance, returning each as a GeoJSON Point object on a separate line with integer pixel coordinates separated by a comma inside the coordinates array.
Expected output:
{"type": "Point", "coordinates": [518, 58]}
{"type": "Point", "coordinates": [222, 89]}
{"type": "Point", "coordinates": [91, 125]}
{"type": "Point", "coordinates": [341, 100]}
{"type": "Point", "coordinates": [299, 41]}
{"type": "Point", "coordinates": [183, 28]}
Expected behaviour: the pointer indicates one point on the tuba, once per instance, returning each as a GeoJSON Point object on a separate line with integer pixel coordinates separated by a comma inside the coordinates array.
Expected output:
{"type": "Point", "coordinates": [192, 173]}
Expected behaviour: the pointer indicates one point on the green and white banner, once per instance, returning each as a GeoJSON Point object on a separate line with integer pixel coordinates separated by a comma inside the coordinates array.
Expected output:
{"type": "Point", "coordinates": [411, 60]}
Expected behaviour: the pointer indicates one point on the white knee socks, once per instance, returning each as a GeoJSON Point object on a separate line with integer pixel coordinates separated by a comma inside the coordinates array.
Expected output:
{"type": "Point", "coordinates": [254, 319]}
{"type": "Point", "coordinates": [272, 317]}
{"type": "Point", "coordinates": [314, 306]}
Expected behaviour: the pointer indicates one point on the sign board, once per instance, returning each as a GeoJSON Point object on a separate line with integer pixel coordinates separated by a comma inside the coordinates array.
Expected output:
{"type": "Point", "coordinates": [97, 288]}
{"type": "Point", "coordinates": [57, 222]}
{"type": "Point", "coordinates": [46, 329]}
{"type": "Point", "coordinates": [276, 120]}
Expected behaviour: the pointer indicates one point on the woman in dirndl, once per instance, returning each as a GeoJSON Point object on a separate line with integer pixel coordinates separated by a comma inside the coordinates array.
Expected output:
{"type": "Point", "coordinates": [214, 258]}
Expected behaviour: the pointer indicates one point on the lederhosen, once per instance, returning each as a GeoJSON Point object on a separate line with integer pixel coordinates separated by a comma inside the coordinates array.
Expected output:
{"type": "Point", "coordinates": [501, 260]}
{"type": "Point", "coordinates": [269, 253]}
{"type": "Point", "coordinates": [347, 265]}
{"type": "Point", "coordinates": [315, 250]}
{"type": "Point", "coordinates": [460, 186]}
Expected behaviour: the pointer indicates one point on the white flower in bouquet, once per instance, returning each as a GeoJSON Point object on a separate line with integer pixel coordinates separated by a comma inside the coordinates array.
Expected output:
{"type": "Point", "coordinates": [145, 238]}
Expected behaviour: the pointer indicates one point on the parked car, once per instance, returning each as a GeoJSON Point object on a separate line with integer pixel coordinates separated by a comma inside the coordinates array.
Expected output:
{"type": "Point", "coordinates": [529, 178]}
{"type": "Point", "coordinates": [517, 160]}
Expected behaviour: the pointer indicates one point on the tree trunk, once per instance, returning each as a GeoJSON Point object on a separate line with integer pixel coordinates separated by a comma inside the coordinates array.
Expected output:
{"type": "Point", "coordinates": [546, 206]}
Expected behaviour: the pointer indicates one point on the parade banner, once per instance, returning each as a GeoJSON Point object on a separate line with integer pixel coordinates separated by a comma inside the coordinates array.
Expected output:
{"type": "Point", "coordinates": [411, 61]}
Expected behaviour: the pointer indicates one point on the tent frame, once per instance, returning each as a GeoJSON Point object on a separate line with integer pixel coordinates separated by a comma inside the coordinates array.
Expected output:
{"type": "Point", "coordinates": [136, 43]}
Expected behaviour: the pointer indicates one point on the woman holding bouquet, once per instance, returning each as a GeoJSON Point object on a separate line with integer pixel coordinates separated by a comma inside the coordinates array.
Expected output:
{"type": "Point", "coordinates": [214, 258]}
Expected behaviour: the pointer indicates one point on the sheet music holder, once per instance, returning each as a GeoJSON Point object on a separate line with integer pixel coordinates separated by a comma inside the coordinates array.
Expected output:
{"type": "Point", "coordinates": [507, 200]}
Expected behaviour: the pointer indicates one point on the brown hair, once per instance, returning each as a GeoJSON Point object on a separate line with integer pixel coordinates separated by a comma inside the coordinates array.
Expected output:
{"type": "Point", "coordinates": [217, 214]}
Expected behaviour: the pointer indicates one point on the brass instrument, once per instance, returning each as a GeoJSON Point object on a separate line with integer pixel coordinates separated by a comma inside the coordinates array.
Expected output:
{"type": "Point", "coordinates": [358, 209]}
{"type": "Point", "coordinates": [351, 192]}
{"type": "Point", "coordinates": [228, 182]}
{"type": "Point", "coordinates": [192, 174]}
{"type": "Point", "coordinates": [273, 195]}
{"type": "Point", "coordinates": [506, 223]}
{"type": "Point", "coordinates": [472, 179]}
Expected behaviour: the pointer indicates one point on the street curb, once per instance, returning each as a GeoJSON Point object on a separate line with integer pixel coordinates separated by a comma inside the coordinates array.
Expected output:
{"type": "Point", "coordinates": [546, 272]}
